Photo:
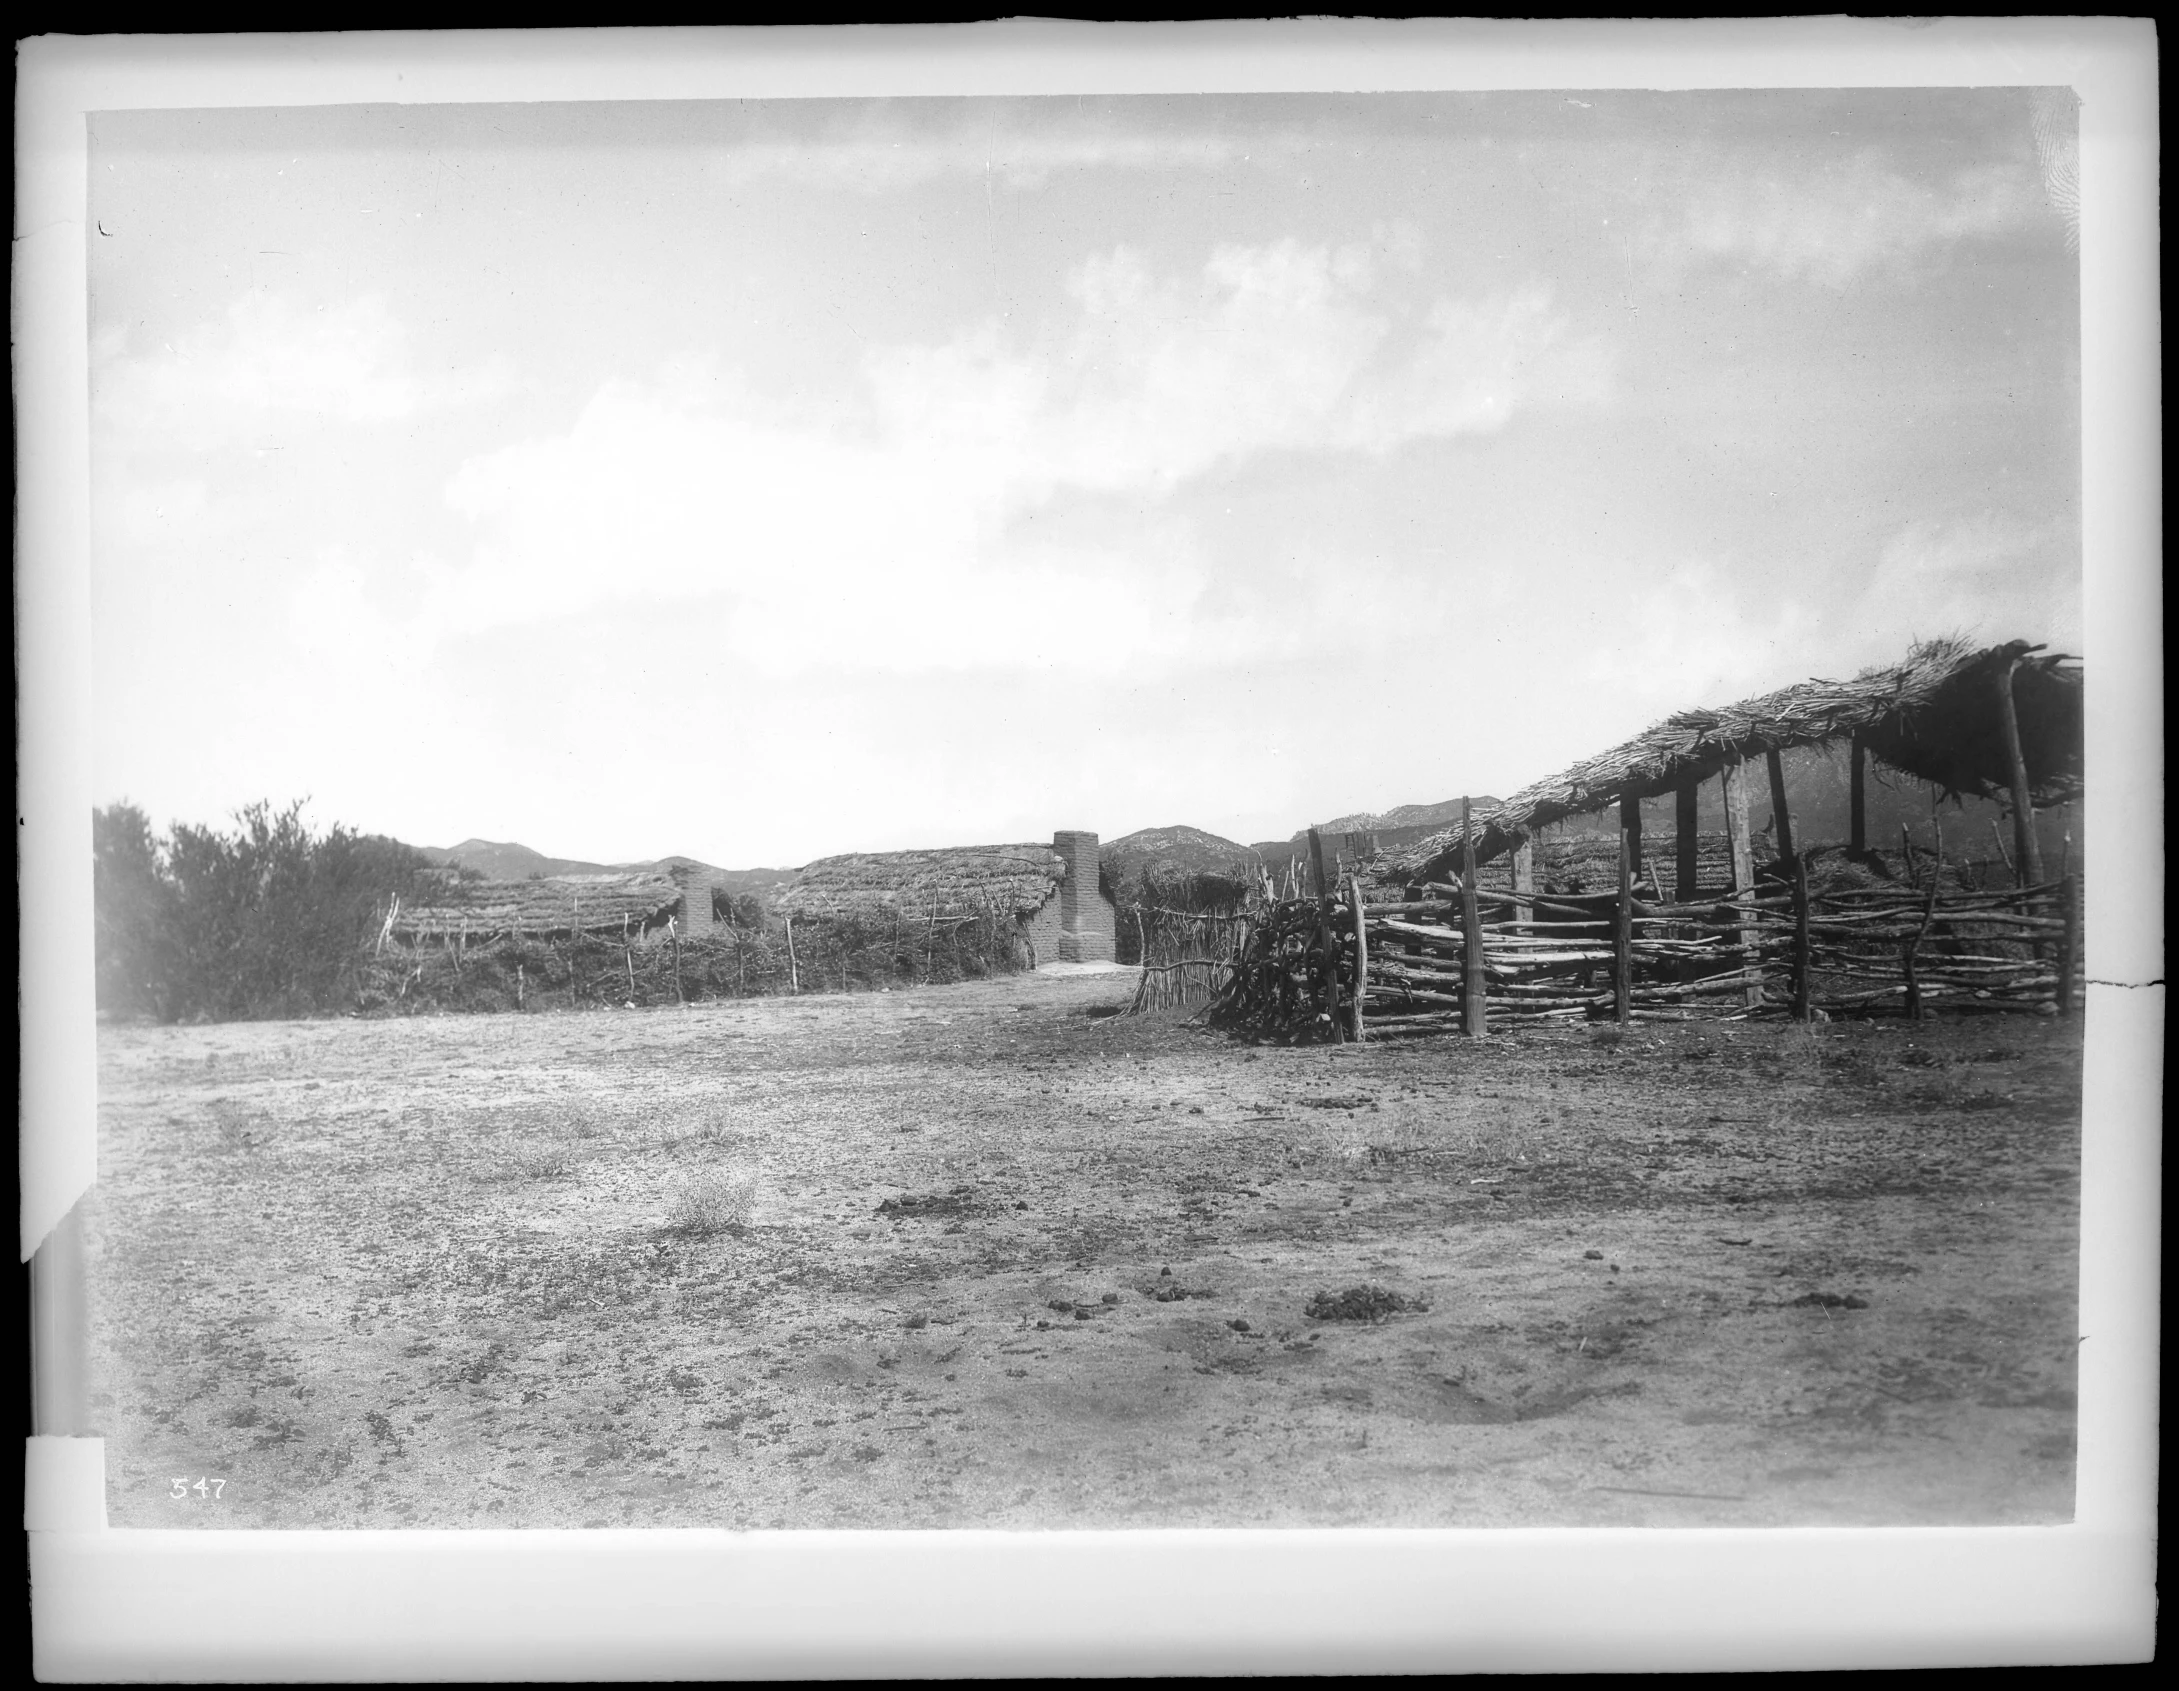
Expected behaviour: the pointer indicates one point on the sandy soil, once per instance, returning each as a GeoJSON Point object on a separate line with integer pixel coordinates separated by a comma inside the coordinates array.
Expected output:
{"type": "Point", "coordinates": [419, 1273]}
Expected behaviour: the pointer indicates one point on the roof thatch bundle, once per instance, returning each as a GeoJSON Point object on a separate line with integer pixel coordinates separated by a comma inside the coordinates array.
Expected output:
{"type": "Point", "coordinates": [959, 881]}
{"type": "Point", "coordinates": [563, 904]}
{"type": "Point", "coordinates": [1934, 716]}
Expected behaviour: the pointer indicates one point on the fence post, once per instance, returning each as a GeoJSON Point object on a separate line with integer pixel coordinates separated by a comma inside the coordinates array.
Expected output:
{"type": "Point", "coordinates": [2069, 950]}
{"type": "Point", "coordinates": [794, 979]}
{"type": "Point", "coordinates": [1623, 933]}
{"type": "Point", "coordinates": [1915, 1007]}
{"type": "Point", "coordinates": [1800, 939]}
{"type": "Point", "coordinates": [1472, 1012]}
{"type": "Point", "coordinates": [1361, 954]}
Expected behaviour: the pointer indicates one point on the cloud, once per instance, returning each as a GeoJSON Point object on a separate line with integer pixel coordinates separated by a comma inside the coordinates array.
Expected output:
{"type": "Point", "coordinates": [938, 521]}
{"type": "Point", "coordinates": [269, 364]}
{"type": "Point", "coordinates": [1831, 225]}
{"type": "Point", "coordinates": [1992, 576]}
{"type": "Point", "coordinates": [1278, 347]}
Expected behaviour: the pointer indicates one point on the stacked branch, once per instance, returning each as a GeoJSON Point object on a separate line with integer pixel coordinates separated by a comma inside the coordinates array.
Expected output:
{"type": "Point", "coordinates": [1294, 977]}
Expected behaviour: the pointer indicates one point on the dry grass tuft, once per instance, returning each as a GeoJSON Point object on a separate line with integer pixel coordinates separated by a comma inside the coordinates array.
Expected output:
{"type": "Point", "coordinates": [542, 1162]}
{"type": "Point", "coordinates": [712, 1204]}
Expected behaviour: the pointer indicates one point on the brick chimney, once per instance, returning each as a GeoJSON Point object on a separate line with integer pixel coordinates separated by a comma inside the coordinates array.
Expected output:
{"type": "Point", "coordinates": [1085, 914]}
{"type": "Point", "coordinates": [695, 910]}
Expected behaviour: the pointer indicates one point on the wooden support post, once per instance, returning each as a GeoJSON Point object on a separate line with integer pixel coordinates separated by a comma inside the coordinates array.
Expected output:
{"type": "Point", "coordinates": [1778, 812]}
{"type": "Point", "coordinates": [1623, 931]}
{"type": "Point", "coordinates": [2069, 951]}
{"type": "Point", "coordinates": [1471, 933]}
{"type": "Point", "coordinates": [1316, 862]}
{"type": "Point", "coordinates": [1361, 953]}
{"type": "Point", "coordinates": [1524, 879]}
{"type": "Point", "coordinates": [1685, 840]}
{"type": "Point", "coordinates": [1735, 776]}
{"type": "Point", "coordinates": [2027, 851]}
{"type": "Point", "coordinates": [1630, 829]}
{"type": "Point", "coordinates": [1801, 1004]}
{"type": "Point", "coordinates": [1857, 816]}
{"type": "Point", "coordinates": [673, 932]}
{"type": "Point", "coordinates": [794, 978]}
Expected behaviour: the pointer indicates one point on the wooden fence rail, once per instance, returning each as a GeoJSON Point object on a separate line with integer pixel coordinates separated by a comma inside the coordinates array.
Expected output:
{"type": "Point", "coordinates": [1343, 965]}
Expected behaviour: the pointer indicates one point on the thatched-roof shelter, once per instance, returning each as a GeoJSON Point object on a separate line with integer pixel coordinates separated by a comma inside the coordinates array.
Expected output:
{"type": "Point", "coordinates": [544, 909]}
{"type": "Point", "coordinates": [1934, 716]}
{"type": "Point", "coordinates": [956, 881]}
{"type": "Point", "coordinates": [1052, 891]}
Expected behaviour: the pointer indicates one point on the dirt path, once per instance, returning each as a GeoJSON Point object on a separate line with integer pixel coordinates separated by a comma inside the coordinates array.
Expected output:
{"type": "Point", "coordinates": [417, 1273]}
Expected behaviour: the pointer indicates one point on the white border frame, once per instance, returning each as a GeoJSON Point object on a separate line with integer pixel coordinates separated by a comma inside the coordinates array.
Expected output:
{"type": "Point", "coordinates": [633, 1605]}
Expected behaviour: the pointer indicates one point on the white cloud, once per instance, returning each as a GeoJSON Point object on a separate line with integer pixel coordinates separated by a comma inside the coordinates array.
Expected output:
{"type": "Point", "coordinates": [1993, 576]}
{"type": "Point", "coordinates": [270, 364]}
{"type": "Point", "coordinates": [1830, 226]}
{"type": "Point", "coordinates": [899, 535]}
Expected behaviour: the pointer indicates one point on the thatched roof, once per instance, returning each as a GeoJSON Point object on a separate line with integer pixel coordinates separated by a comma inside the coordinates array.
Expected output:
{"type": "Point", "coordinates": [1934, 717]}
{"type": "Point", "coordinates": [558, 905]}
{"type": "Point", "coordinates": [955, 881]}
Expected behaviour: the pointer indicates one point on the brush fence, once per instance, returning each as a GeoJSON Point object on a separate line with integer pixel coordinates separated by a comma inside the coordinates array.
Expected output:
{"type": "Point", "coordinates": [1187, 955]}
{"type": "Point", "coordinates": [1346, 966]}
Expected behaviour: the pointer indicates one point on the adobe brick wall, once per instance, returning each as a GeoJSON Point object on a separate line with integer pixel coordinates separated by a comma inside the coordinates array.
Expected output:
{"type": "Point", "coordinates": [1087, 919]}
{"type": "Point", "coordinates": [1041, 928]}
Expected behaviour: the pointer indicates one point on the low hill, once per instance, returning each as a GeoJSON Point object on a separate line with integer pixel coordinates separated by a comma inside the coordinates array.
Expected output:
{"type": "Point", "coordinates": [505, 861]}
{"type": "Point", "coordinates": [499, 860]}
{"type": "Point", "coordinates": [1160, 853]}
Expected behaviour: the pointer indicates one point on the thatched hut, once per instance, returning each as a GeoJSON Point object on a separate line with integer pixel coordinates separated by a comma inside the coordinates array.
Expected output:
{"type": "Point", "coordinates": [553, 907]}
{"type": "Point", "coordinates": [1992, 722]}
{"type": "Point", "coordinates": [1051, 892]}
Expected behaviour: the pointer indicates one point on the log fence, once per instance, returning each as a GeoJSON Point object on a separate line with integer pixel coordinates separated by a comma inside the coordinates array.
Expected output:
{"type": "Point", "coordinates": [1344, 965]}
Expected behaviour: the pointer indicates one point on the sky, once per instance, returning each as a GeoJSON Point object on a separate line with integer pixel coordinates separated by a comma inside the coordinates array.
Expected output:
{"type": "Point", "coordinates": [758, 480]}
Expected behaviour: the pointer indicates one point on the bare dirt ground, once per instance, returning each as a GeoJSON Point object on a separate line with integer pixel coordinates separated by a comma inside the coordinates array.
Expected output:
{"type": "Point", "coordinates": [1015, 1261]}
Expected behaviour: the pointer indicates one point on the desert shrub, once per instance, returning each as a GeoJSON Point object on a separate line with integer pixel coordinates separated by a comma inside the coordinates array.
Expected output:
{"type": "Point", "coordinates": [269, 918]}
{"type": "Point", "coordinates": [542, 1162]}
{"type": "Point", "coordinates": [713, 1203]}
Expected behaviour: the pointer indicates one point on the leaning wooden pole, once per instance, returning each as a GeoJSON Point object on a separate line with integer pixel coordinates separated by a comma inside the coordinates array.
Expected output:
{"type": "Point", "coordinates": [1471, 932]}
{"type": "Point", "coordinates": [2027, 851]}
{"type": "Point", "coordinates": [1623, 934]}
